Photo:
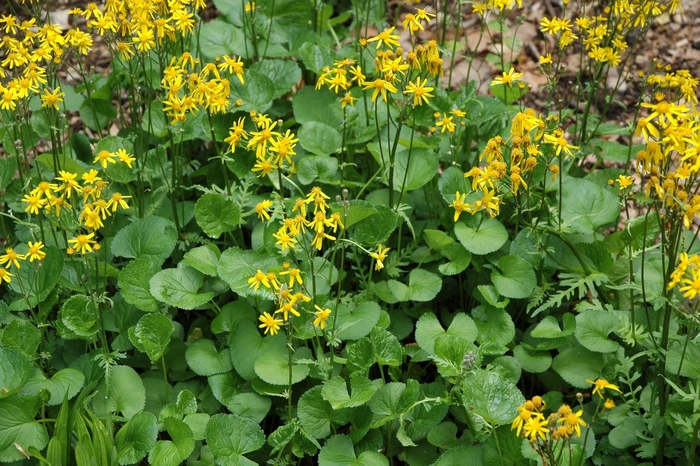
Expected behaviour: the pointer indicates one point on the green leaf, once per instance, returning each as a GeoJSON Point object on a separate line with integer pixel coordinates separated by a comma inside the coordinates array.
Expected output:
{"type": "Point", "coordinates": [504, 448]}
{"type": "Point", "coordinates": [247, 346]}
{"type": "Point", "coordinates": [97, 113]}
{"type": "Point", "coordinates": [134, 282]}
{"type": "Point", "coordinates": [494, 325]}
{"type": "Point", "coordinates": [204, 259]}
{"type": "Point", "coordinates": [257, 92]}
{"type": "Point", "coordinates": [449, 354]}
{"type": "Point", "coordinates": [136, 437]}
{"type": "Point", "coordinates": [153, 332]}
{"type": "Point", "coordinates": [356, 320]}
{"type": "Point", "coordinates": [216, 214]}
{"type": "Point", "coordinates": [532, 361]}
{"type": "Point", "coordinates": [250, 405]}
{"type": "Point", "coordinates": [315, 56]}
{"type": "Point", "coordinates": [428, 330]}
{"type": "Point", "coordinates": [593, 328]}
{"type": "Point", "coordinates": [197, 423]}
{"type": "Point", "coordinates": [316, 414]}
{"type": "Point", "coordinates": [230, 437]}
{"type": "Point", "coordinates": [488, 237]}
{"type": "Point", "coordinates": [236, 266]}
{"type": "Point", "coordinates": [422, 286]}
{"type": "Point", "coordinates": [150, 238]}
{"type": "Point", "coordinates": [335, 391]}
{"type": "Point", "coordinates": [630, 432]}
{"type": "Point", "coordinates": [392, 400]}
{"type": "Point", "coordinates": [79, 315]}
{"type": "Point", "coordinates": [15, 370]}
{"type": "Point", "coordinates": [338, 451]}
{"type": "Point", "coordinates": [360, 356]}
{"type": "Point", "coordinates": [376, 228]}
{"type": "Point", "coordinates": [219, 38]}
{"type": "Point", "coordinates": [576, 365]}
{"type": "Point", "coordinates": [319, 138]}
{"type": "Point", "coordinates": [517, 279]}
{"type": "Point", "coordinates": [126, 393]}
{"type": "Point", "coordinates": [549, 327]}
{"type": "Point", "coordinates": [203, 358]}
{"type": "Point", "coordinates": [311, 167]}
{"type": "Point", "coordinates": [459, 258]}
{"type": "Point", "coordinates": [688, 354]}
{"type": "Point", "coordinates": [8, 166]}
{"type": "Point", "coordinates": [22, 336]}
{"type": "Point", "coordinates": [65, 383]}
{"type": "Point", "coordinates": [17, 426]}
{"type": "Point", "coordinates": [180, 288]}
{"type": "Point", "coordinates": [318, 105]}
{"type": "Point", "coordinates": [586, 206]}
{"type": "Point", "coordinates": [385, 347]}
{"type": "Point", "coordinates": [273, 368]}
{"type": "Point", "coordinates": [284, 74]}
{"type": "Point", "coordinates": [417, 166]}
{"type": "Point", "coordinates": [491, 396]}
{"type": "Point", "coordinates": [225, 386]}
{"type": "Point", "coordinates": [38, 282]}
{"type": "Point", "coordinates": [437, 239]}
{"type": "Point", "coordinates": [173, 452]}
{"type": "Point", "coordinates": [451, 181]}
{"type": "Point", "coordinates": [491, 296]}
{"type": "Point", "coordinates": [154, 120]}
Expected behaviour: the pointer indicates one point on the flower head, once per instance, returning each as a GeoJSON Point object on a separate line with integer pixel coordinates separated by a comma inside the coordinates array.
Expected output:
{"type": "Point", "coordinates": [601, 384]}
{"type": "Point", "coordinates": [270, 323]}
{"type": "Point", "coordinates": [321, 316]}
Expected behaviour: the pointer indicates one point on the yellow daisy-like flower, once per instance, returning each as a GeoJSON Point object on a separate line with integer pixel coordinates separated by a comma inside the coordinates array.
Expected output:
{"type": "Point", "coordinates": [609, 404]}
{"type": "Point", "coordinates": [536, 426]}
{"type": "Point", "coordinates": [35, 251]}
{"type": "Point", "coordinates": [386, 37]}
{"type": "Point", "coordinates": [508, 78]}
{"type": "Point", "coordinates": [601, 384]}
{"type": "Point", "coordinates": [259, 278]}
{"type": "Point", "coordinates": [104, 156]}
{"type": "Point", "coordinates": [11, 258]}
{"type": "Point", "coordinates": [83, 243]}
{"type": "Point", "coordinates": [379, 256]}
{"type": "Point", "coordinates": [269, 323]}
{"type": "Point", "coordinates": [459, 205]}
{"type": "Point", "coordinates": [52, 98]}
{"type": "Point", "coordinates": [321, 316]}
{"type": "Point", "coordinates": [420, 91]}
{"type": "Point", "coordinates": [5, 276]}
{"type": "Point", "coordinates": [560, 143]}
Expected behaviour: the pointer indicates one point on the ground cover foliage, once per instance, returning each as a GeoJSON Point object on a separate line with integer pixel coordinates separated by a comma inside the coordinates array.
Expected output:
{"type": "Point", "coordinates": [280, 238]}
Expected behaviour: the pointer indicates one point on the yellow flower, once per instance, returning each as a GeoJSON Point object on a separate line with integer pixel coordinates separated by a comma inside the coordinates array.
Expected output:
{"type": "Point", "coordinates": [420, 91]}
{"type": "Point", "coordinates": [35, 251]}
{"type": "Point", "coordinates": [574, 421]}
{"type": "Point", "coordinates": [125, 157]}
{"type": "Point", "coordinates": [560, 143]}
{"type": "Point", "coordinates": [52, 99]}
{"type": "Point", "coordinates": [386, 37]}
{"type": "Point", "coordinates": [118, 200]}
{"type": "Point", "coordinates": [546, 59]}
{"type": "Point", "coordinates": [624, 181]}
{"type": "Point", "coordinates": [380, 86]}
{"type": "Point", "coordinates": [379, 256]}
{"type": "Point", "coordinates": [82, 243]}
{"type": "Point", "coordinates": [535, 426]}
{"type": "Point", "coordinates": [269, 323]}
{"type": "Point", "coordinates": [523, 416]}
{"type": "Point", "coordinates": [11, 258]}
{"type": "Point", "coordinates": [601, 384]}
{"type": "Point", "coordinates": [286, 309]}
{"type": "Point", "coordinates": [609, 404]}
{"type": "Point", "coordinates": [34, 202]}
{"type": "Point", "coordinates": [692, 285]}
{"type": "Point", "coordinates": [294, 276]}
{"type": "Point", "coordinates": [321, 316]}
{"type": "Point", "coordinates": [103, 157]}
{"type": "Point", "coordinates": [459, 205]}
{"type": "Point", "coordinates": [261, 209]}
{"type": "Point", "coordinates": [5, 276]}
{"type": "Point", "coordinates": [284, 239]}
{"type": "Point", "coordinates": [257, 279]}
{"type": "Point", "coordinates": [507, 78]}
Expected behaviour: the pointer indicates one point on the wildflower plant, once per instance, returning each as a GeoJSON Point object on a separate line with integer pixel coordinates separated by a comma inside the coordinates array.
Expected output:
{"type": "Point", "coordinates": [289, 235]}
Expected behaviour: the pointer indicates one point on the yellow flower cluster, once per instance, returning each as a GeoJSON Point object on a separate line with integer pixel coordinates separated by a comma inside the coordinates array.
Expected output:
{"type": "Point", "coordinates": [273, 150]}
{"type": "Point", "coordinates": [97, 206]}
{"type": "Point", "coordinates": [687, 274]}
{"type": "Point", "coordinates": [510, 162]}
{"type": "Point", "coordinates": [289, 297]}
{"type": "Point", "coordinates": [395, 70]}
{"type": "Point", "coordinates": [559, 425]}
{"type": "Point", "coordinates": [296, 224]}
{"type": "Point", "coordinates": [187, 91]}
{"type": "Point", "coordinates": [11, 259]}
{"type": "Point", "coordinates": [495, 6]}
{"type": "Point", "coordinates": [140, 25]}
